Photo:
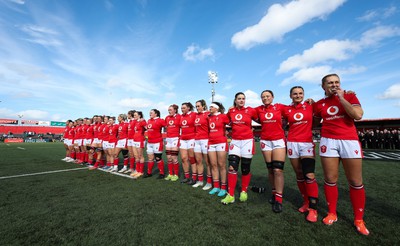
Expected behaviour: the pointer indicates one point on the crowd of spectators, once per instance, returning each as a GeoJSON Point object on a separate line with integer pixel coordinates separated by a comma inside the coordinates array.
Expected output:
{"type": "Point", "coordinates": [380, 139]}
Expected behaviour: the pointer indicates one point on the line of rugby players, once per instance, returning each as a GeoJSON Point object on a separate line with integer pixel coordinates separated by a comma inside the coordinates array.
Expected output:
{"type": "Point", "coordinates": [201, 136]}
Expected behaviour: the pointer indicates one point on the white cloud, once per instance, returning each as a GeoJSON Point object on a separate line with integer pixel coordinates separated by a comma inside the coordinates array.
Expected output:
{"type": "Point", "coordinates": [381, 13]}
{"type": "Point", "coordinates": [18, 1]}
{"type": "Point", "coordinates": [375, 35]}
{"type": "Point", "coordinates": [41, 35]}
{"type": "Point", "coordinates": [195, 53]}
{"type": "Point", "coordinates": [393, 92]}
{"type": "Point", "coordinates": [27, 71]}
{"type": "Point", "coordinates": [309, 75]}
{"type": "Point", "coordinates": [337, 50]}
{"type": "Point", "coordinates": [219, 98]}
{"type": "Point", "coordinates": [136, 103]}
{"type": "Point", "coordinates": [281, 19]}
{"type": "Point", "coordinates": [252, 98]}
{"type": "Point", "coordinates": [321, 51]}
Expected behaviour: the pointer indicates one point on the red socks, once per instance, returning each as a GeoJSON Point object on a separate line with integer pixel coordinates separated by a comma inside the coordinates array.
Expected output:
{"type": "Point", "coordinates": [331, 194]}
{"type": "Point", "coordinates": [357, 197]}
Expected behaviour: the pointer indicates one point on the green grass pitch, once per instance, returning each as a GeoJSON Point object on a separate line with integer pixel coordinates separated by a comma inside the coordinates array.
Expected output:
{"type": "Point", "coordinates": [85, 207]}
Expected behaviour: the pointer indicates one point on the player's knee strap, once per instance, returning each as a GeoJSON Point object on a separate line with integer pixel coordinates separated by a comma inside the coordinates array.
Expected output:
{"type": "Point", "coordinates": [174, 152]}
{"type": "Point", "coordinates": [278, 164]}
{"type": "Point", "coordinates": [168, 152]}
{"type": "Point", "coordinates": [234, 162]}
{"type": "Point", "coordinates": [99, 149]}
{"type": "Point", "coordinates": [268, 164]}
{"type": "Point", "coordinates": [246, 165]}
{"type": "Point", "coordinates": [307, 166]}
{"type": "Point", "coordinates": [158, 156]}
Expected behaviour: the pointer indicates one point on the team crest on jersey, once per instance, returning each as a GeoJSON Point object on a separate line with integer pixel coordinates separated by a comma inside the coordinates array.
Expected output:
{"type": "Point", "coordinates": [262, 145]}
{"type": "Point", "coordinates": [171, 122]}
{"type": "Point", "coordinates": [298, 116]}
{"type": "Point", "coordinates": [212, 125]}
{"type": "Point", "coordinates": [238, 117]}
{"type": "Point", "coordinates": [184, 122]}
{"type": "Point", "coordinates": [290, 151]}
{"type": "Point", "coordinates": [197, 120]}
{"type": "Point", "coordinates": [231, 147]}
{"type": "Point", "coordinates": [323, 148]}
{"type": "Point", "coordinates": [356, 151]}
{"type": "Point", "coordinates": [332, 110]}
{"type": "Point", "coordinates": [149, 126]}
{"type": "Point", "coordinates": [269, 116]}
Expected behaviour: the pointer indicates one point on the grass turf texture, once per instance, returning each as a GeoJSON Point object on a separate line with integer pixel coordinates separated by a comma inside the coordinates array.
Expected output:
{"type": "Point", "coordinates": [96, 208]}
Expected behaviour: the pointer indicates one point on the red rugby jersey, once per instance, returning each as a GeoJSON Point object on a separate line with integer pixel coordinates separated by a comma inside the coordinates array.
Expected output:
{"type": "Point", "coordinates": [300, 119]}
{"type": "Point", "coordinates": [337, 124]}
{"type": "Point", "coordinates": [154, 127]}
{"type": "Point", "coordinates": [173, 125]}
{"type": "Point", "coordinates": [270, 118]}
{"type": "Point", "coordinates": [241, 120]}
{"type": "Point", "coordinates": [201, 125]}
{"type": "Point", "coordinates": [217, 125]}
{"type": "Point", "coordinates": [187, 126]}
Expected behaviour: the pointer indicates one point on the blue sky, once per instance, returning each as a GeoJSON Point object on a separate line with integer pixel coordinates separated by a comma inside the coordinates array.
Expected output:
{"type": "Point", "coordinates": [67, 59]}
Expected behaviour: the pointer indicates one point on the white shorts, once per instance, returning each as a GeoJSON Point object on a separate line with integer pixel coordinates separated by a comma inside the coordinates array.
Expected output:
{"type": "Point", "coordinates": [154, 148]}
{"type": "Point", "coordinates": [138, 145]}
{"type": "Point", "coordinates": [267, 145]}
{"type": "Point", "coordinates": [121, 143]}
{"type": "Point", "coordinates": [242, 148]}
{"type": "Point", "coordinates": [104, 145]}
{"type": "Point", "coordinates": [300, 149]}
{"type": "Point", "coordinates": [78, 142]}
{"type": "Point", "coordinates": [201, 146]}
{"type": "Point", "coordinates": [111, 145]}
{"type": "Point", "coordinates": [329, 147]}
{"type": "Point", "coordinates": [171, 142]}
{"type": "Point", "coordinates": [130, 143]}
{"type": "Point", "coordinates": [186, 144]}
{"type": "Point", "coordinates": [68, 142]}
{"type": "Point", "coordinates": [87, 141]}
{"type": "Point", "coordinates": [96, 141]}
{"type": "Point", "coordinates": [218, 147]}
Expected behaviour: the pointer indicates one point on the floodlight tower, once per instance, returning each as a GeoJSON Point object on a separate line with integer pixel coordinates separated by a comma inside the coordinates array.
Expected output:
{"type": "Point", "coordinates": [20, 119]}
{"type": "Point", "coordinates": [212, 79]}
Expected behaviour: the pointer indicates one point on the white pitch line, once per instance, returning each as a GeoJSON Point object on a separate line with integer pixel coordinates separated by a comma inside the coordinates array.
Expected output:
{"type": "Point", "coordinates": [119, 174]}
{"type": "Point", "coordinates": [34, 174]}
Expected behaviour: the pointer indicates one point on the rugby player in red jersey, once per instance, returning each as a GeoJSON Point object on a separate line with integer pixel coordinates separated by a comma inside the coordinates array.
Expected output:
{"type": "Point", "coordinates": [173, 121]}
{"type": "Point", "coordinates": [300, 150]}
{"type": "Point", "coordinates": [112, 142]}
{"type": "Point", "coordinates": [78, 143]}
{"type": "Point", "coordinates": [155, 143]}
{"type": "Point", "coordinates": [273, 145]}
{"type": "Point", "coordinates": [186, 146]}
{"type": "Point", "coordinates": [339, 142]}
{"type": "Point", "coordinates": [139, 142]}
{"type": "Point", "coordinates": [241, 148]}
{"type": "Point", "coordinates": [131, 133]}
{"type": "Point", "coordinates": [201, 144]}
{"type": "Point", "coordinates": [87, 142]}
{"type": "Point", "coordinates": [97, 142]}
{"type": "Point", "coordinates": [218, 147]}
{"type": "Point", "coordinates": [121, 145]}
{"type": "Point", "coordinates": [105, 135]}
{"type": "Point", "coordinates": [66, 140]}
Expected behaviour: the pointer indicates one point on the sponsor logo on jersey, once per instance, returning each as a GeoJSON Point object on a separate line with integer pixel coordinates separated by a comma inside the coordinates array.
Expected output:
{"type": "Point", "coordinates": [184, 122]}
{"type": "Point", "coordinates": [269, 116]}
{"type": "Point", "coordinates": [149, 126]}
{"type": "Point", "coordinates": [238, 117]}
{"type": "Point", "coordinates": [298, 116]}
{"type": "Point", "coordinates": [197, 120]}
{"type": "Point", "coordinates": [332, 110]}
{"type": "Point", "coordinates": [212, 125]}
{"type": "Point", "coordinates": [171, 122]}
